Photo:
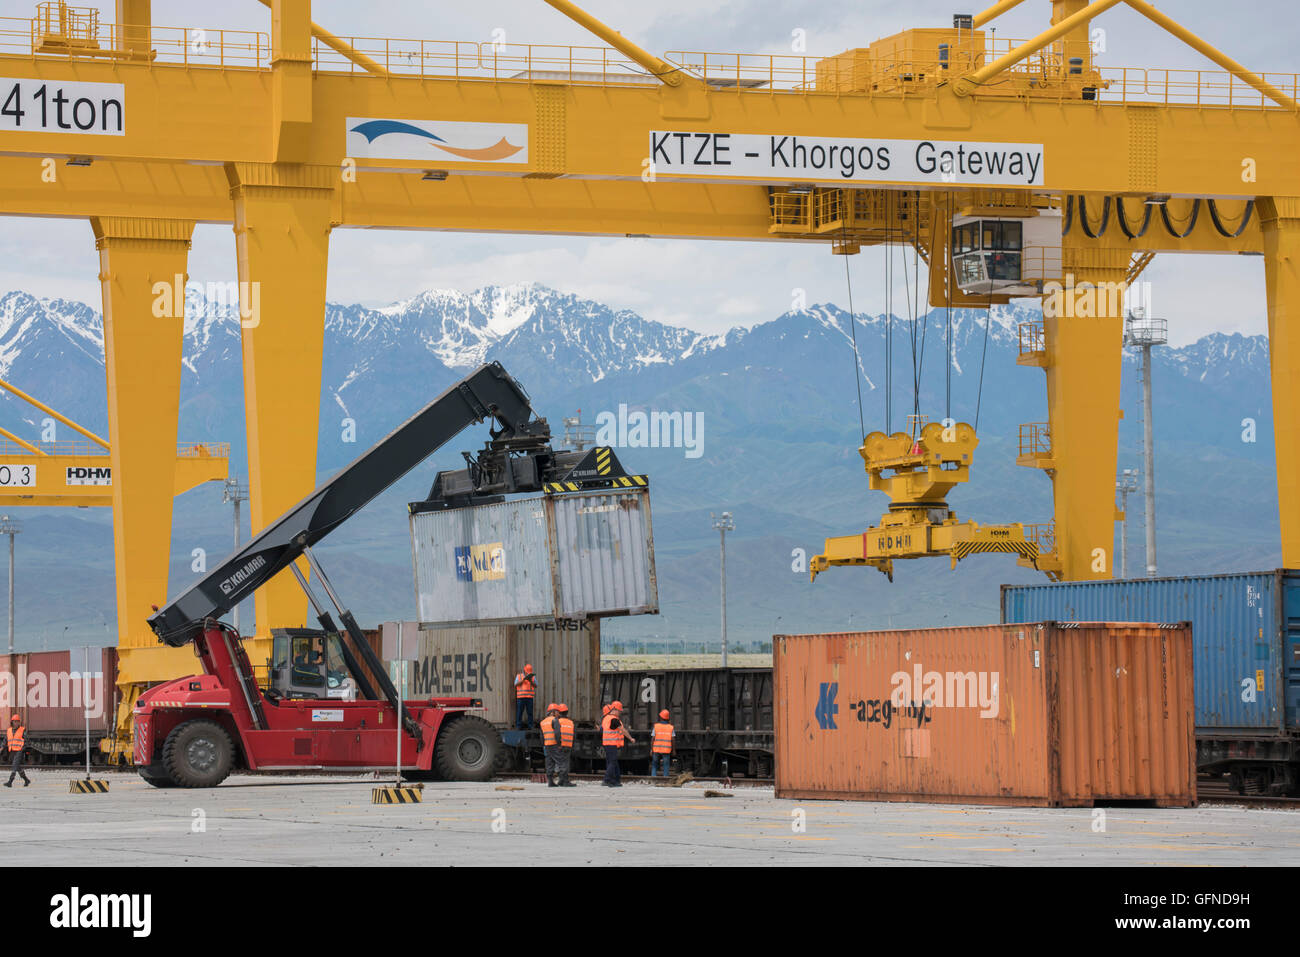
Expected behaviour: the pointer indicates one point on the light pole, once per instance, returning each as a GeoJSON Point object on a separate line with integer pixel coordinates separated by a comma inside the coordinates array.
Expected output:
{"type": "Point", "coordinates": [11, 528]}
{"type": "Point", "coordinates": [1144, 332]}
{"type": "Point", "coordinates": [1126, 483]}
{"type": "Point", "coordinates": [724, 524]}
{"type": "Point", "coordinates": [234, 493]}
{"type": "Point", "coordinates": [576, 435]}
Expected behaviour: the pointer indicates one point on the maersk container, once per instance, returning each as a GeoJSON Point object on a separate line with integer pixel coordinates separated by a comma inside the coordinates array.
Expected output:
{"type": "Point", "coordinates": [482, 661]}
{"type": "Point", "coordinates": [1245, 634]}
{"type": "Point", "coordinates": [535, 560]}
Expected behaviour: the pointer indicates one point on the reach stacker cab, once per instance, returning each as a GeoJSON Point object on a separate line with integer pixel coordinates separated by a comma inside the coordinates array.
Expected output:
{"type": "Point", "coordinates": [320, 709]}
{"type": "Point", "coordinates": [309, 663]}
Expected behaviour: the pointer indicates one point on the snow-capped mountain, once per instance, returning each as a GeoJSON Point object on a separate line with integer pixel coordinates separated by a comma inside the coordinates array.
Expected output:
{"type": "Point", "coordinates": [380, 364]}
{"type": "Point", "coordinates": [778, 409]}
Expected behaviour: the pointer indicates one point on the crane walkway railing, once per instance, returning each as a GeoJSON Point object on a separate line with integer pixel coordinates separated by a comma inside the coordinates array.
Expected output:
{"type": "Point", "coordinates": [77, 448]}
{"type": "Point", "coordinates": [87, 39]}
{"type": "Point", "coordinates": [1054, 73]}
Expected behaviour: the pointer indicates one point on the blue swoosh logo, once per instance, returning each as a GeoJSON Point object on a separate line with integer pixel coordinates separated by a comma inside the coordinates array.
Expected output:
{"type": "Point", "coordinates": [373, 129]}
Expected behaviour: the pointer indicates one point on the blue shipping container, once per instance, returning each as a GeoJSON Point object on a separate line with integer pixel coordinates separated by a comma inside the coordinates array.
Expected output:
{"type": "Point", "coordinates": [1245, 635]}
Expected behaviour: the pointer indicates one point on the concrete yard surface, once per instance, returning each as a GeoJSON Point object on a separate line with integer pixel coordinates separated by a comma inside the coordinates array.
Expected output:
{"type": "Point", "coordinates": [328, 821]}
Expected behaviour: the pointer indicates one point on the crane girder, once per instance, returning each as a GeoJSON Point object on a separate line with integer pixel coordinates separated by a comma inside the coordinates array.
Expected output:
{"type": "Point", "coordinates": [606, 131]}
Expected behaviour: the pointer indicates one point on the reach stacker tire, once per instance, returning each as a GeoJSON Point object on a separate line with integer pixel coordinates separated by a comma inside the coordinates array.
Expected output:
{"type": "Point", "coordinates": [198, 754]}
{"type": "Point", "coordinates": [467, 749]}
{"type": "Point", "coordinates": [156, 779]}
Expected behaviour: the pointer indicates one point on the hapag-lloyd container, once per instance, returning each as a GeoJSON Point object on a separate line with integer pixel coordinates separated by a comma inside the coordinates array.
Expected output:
{"type": "Point", "coordinates": [535, 560]}
{"type": "Point", "coordinates": [1033, 714]}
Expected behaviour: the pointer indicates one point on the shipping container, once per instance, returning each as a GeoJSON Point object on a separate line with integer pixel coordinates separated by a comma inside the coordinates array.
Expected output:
{"type": "Point", "coordinates": [604, 554]}
{"type": "Point", "coordinates": [482, 661]}
{"type": "Point", "coordinates": [1032, 714]}
{"type": "Point", "coordinates": [55, 694]}
{"type": "Point", "coordinates": [1245, 635]}
{"type": "Point", "coordinates": [535, 560]}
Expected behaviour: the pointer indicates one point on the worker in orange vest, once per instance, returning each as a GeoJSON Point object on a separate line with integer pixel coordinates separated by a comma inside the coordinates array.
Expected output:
{"type": "Point", "coordinates": [550, 741]}
{"type": "Point", "coordinates": [613, 735]}
{"type": "Point", "coordinates": [525, 692]}
{"type": "Point", "coordinates": [661, 744]}
{"type": "Point", "coordinates": [564, 747]}
{"type": "Point", "coordinates": [16, 740]}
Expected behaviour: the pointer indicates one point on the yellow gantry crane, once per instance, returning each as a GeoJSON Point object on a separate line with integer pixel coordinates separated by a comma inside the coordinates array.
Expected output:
{"type": "Point", "coordinates": [76, 473]}
{"type": "Point", "coordinates": [79, 473]}
{"type": "Point", "coordinates": [940, 137]}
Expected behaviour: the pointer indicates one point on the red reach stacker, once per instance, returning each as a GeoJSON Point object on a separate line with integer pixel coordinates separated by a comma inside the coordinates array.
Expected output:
{"type": "Point", "coordinates": [319, 709]}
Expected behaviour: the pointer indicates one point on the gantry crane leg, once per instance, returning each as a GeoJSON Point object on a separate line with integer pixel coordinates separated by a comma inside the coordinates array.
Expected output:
{"type": "Point", "coordinates": [282, 227]}
{"type": "Point", "coordinates": [1279, 219]}
{"type": "Point", "coordinates": [134, 18]}
{"type": "Point", "coordinates": [1083, 326]}
{"type": "Point", "coordinates": [142, 276]}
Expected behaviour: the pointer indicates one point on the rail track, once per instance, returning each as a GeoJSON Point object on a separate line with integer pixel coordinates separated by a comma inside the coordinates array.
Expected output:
{"type": "Point", "coordinates": [638, 779]}
{"type": "Point", "coordinates": [1217, 791]}
{"type": "Point", "coordinates": [1209, 790]}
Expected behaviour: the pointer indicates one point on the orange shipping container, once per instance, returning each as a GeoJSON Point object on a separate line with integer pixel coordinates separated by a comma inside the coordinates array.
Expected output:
{"type": "Point", "coordinates": [1050, 714]}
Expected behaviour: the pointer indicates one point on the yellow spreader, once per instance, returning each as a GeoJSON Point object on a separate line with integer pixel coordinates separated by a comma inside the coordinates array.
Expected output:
{"type": "Point", "coordinates": [922, 466]}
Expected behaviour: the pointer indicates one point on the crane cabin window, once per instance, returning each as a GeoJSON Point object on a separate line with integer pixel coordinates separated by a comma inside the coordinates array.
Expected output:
{"type": "Point", "coordinates": [988, 255]}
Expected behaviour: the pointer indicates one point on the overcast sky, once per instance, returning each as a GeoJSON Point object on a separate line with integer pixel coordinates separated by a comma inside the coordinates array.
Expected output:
{"type": "Point", "coordinates": [709, 286]}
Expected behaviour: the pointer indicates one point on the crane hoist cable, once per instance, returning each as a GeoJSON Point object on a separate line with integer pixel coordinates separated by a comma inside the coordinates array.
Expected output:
{"type": "Point", "coordinates": [979, 394]}
{"type": "Point", "coordinates": [918, 470]}
{"type": "Point", "coordinates": [853, 334]}
{"type": "Point", "coordinates": [911, 333]}
{"type": "Point", "coordinates": [916, 291]}
{"type": "Point", "coordinates": [913, 308]}
{"type": "Point", "coordinates": [889, 322]}
{"type": "Point", "coordinates": [947, 301]}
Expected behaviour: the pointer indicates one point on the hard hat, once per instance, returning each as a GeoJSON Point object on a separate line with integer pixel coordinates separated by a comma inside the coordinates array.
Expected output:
{"type": "Point", "coordinates": [562, 708]}
{"type": "Point", "coordinates": [528, 669]}
{"type": "Point", "coordinates": [664, 714]}
{"type": "Point", "coordinates": [616, 706]}
{"type": "Point", "coordinates": [607, 709]}
{"type": "Point", "coordinates": [15, 717]}
{"type": "Point", "coordinates": [552, 706]}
